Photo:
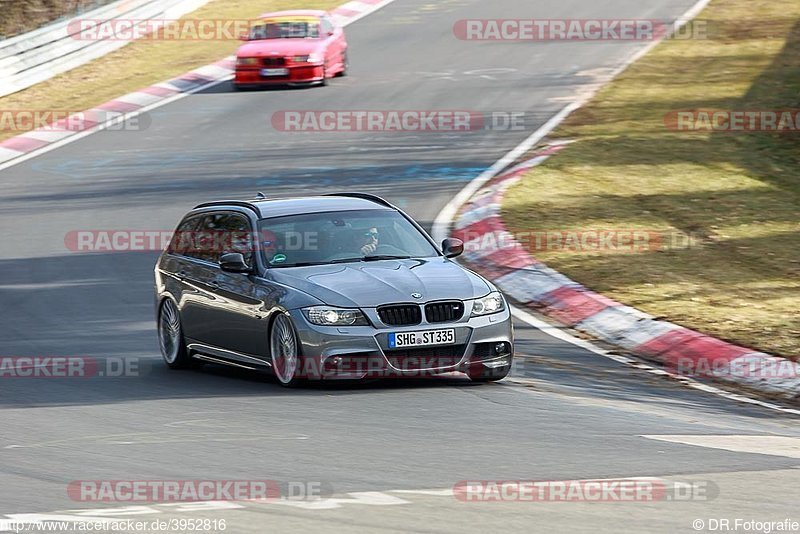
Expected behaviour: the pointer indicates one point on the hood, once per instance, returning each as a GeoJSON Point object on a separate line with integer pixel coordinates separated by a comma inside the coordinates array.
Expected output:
{"type": "Point", "coordinates": [371, 284]}
{"type": "Point", "coordinates": [279, 47]}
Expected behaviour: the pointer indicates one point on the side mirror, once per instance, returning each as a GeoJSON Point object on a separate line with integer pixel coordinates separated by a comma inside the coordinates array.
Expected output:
{"type": "Point", "coordinates": [452, 247]}
{"type": "Point", "coordinates": [233, 262]}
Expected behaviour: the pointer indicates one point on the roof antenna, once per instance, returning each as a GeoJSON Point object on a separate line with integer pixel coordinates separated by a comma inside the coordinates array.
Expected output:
{"type": "Point", "coordinates": [261, 196]}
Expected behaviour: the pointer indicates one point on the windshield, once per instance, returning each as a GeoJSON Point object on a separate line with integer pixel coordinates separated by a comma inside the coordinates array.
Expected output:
{"type": "Point", "coordinates": [286, 29]}
{"type": "Point", "coordinates": [341, 237]}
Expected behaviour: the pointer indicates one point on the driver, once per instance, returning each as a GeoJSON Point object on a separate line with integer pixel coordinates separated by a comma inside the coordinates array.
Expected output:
{"type": "Point", "coordinates": [269, 244]}
{"type": "Point", "coordinates": [369, 243]}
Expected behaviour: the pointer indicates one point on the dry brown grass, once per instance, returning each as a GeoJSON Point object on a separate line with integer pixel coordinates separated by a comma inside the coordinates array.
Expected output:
{"type": "Point", "coordinates": [143, 63]}
{"type": "Point", "coordinates": [20, 16]}
{"type": "Point", "coordinates": [738, 194]}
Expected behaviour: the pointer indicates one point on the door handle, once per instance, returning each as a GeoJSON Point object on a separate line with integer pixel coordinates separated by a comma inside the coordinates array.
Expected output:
{"type": "Point", "coordinates": [214, 284]}
{"type": "Point", "coordinates": [181, 274]}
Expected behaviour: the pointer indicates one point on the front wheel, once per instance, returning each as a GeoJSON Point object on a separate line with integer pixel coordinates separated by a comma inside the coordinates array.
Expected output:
{"type": "Point", "coordinates": [324, 81]}
{"type": "Point", "coordinates": [170, 337]}
{"type": "Point", "coordinates": [345, 65]}
{"type": "Point", "coordinates": [284, 351]}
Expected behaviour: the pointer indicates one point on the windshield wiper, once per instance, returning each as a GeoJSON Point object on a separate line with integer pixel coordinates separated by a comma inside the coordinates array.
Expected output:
{"type": "Point", "coordinates": [375, 257]}
{"type": "Point", "coordinates": [301, 264]}
{"type": "Point", "coordinates": [379, 257]}
{"type": "Point", "coordinates": [346, 260]}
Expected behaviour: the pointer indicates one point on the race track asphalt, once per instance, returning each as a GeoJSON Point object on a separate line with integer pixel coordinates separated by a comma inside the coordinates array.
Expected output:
{"type": "Point", "coordinates": [577, 415]}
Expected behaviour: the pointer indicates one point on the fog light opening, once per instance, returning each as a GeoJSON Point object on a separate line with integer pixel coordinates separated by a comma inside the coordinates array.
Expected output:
{"type": "Point", "coordinates": [501, 348]}
{"type": "Point", "coordinates": [333, 364]}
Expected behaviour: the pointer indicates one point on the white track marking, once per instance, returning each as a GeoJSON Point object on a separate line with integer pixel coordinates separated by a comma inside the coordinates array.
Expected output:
{"type": "Point", "coordinates": [444, 220]}
{"type": "Point", "coordinates": [772, 445]}
{"type": "Point", "coordinates": [371, 498]}
{"type": "Point", "coordinates": [166, 101]}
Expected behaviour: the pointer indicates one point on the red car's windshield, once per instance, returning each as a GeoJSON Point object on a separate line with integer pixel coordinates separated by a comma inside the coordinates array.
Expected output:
{"type": "Point", "coordinates": [285, 29]}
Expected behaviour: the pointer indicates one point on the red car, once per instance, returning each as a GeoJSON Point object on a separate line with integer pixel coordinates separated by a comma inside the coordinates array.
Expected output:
{"type": "Point", "coordinates": [291, 47]}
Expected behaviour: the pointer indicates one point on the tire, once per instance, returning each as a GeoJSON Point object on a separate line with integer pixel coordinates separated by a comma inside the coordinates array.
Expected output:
{"type": "Point", "coordinates": [170, 337]}
{"type": "Point", "coordinates": [284, 352]}
{"type": "Point", "coordinates": [324, 81]}
{"type": "Point", "coordinates": [483, 375]}
{"type": "Point", "coordinates": [345, 65]}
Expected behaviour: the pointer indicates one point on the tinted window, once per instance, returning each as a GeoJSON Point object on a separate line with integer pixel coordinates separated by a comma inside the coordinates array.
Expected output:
{"type": "Point", "coordinates": [182, 241]}
{"type": "Point", "coordinates": [215, 235]}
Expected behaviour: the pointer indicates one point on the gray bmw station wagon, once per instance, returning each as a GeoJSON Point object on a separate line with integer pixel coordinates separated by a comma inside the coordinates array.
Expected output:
{"type": "Point", "coordinates": [341, 286]}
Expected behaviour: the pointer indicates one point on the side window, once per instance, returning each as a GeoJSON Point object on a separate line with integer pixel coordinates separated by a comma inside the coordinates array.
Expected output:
{"type": "Point", "coordinates": [219, 233]}
{"type": "Point", "coordinates": [327, 26]}
{"type": "Point", "coordinates": [182, 242]}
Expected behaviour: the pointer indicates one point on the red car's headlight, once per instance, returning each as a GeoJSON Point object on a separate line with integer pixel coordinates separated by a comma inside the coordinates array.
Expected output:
{"type": "Point", "coordinates": [246, 61]}
{"type": "Point", "coordinates": [311, 58]}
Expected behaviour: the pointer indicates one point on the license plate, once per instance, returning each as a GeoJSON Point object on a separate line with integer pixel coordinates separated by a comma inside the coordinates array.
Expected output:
{"type": "Point", "coordinates": [421, 339]}
{"type": "Point", "coordinates": [274, 72]}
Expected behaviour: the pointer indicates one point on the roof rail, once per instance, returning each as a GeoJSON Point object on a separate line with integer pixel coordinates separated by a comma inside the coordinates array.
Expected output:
{"type": "Point", "coordinates": [239, 203]}
{"type": "Point", "coordinates": [363, 196]}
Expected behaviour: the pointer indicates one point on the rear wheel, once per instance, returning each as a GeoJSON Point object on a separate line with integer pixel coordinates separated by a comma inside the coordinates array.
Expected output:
{"type": "Point", "coordinates": [284, 351]}
{"type": "Point", "coordinates": [170, 337]}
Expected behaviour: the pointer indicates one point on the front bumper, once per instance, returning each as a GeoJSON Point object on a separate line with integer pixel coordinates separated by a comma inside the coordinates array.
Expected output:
{"type": "Point", "coordinates": [302, 74]}
{"type": "Point", "coordinates": [357, 352]}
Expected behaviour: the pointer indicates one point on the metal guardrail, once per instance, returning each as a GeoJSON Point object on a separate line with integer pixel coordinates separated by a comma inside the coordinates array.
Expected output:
{"type": "Point", "coordinates": [36, 56]}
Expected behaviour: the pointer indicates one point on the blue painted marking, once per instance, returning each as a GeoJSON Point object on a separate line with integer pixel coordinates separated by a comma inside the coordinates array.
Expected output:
{"type": "Point", "coordinates": [392, 341]}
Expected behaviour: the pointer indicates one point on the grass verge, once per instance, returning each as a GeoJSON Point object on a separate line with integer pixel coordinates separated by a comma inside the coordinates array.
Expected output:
{"type": "Point", "coordinates": [143, 63]}
{"type": "Point", "coordinates": [735, 195]}
{"type": "Point", "coordinates": [20, 16]}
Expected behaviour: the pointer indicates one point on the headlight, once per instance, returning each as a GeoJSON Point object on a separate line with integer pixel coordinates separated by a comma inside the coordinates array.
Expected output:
{"type": "Point", "coordinates": [245, 61]}
{"type": "Point", "coordinates": [325, 316]}
{"type": "Point", "coordinates": [300, 59]}
{"type": "Point", "coordinates": [491, 303]}
{"type": "Point", "coordinates": [315, 58]}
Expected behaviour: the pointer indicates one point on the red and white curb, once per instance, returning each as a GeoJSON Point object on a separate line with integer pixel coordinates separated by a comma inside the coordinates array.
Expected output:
{"type": "Point", "coordinates": [476, 208]}
{"type": "Point", "coordinates": [20, 148]}
{"type": "Point", "coordinates": [120, 108]}
{"type": "Point", "coordinates": [492, 250]}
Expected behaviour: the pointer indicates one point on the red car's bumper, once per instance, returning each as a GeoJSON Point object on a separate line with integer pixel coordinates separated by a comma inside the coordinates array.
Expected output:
{"type": "Point", "coordinates": [298, 74]}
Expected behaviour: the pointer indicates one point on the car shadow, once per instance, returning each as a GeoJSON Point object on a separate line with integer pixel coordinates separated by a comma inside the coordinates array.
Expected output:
{"type": "Point", "coordinates": [99, 309]}
{"type": "Point", "coordinates": [228, 87]}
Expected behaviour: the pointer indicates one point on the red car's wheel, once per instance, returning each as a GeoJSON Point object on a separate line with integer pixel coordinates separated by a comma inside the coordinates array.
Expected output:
{"type": "Point", "coordinates": [345, 65]}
